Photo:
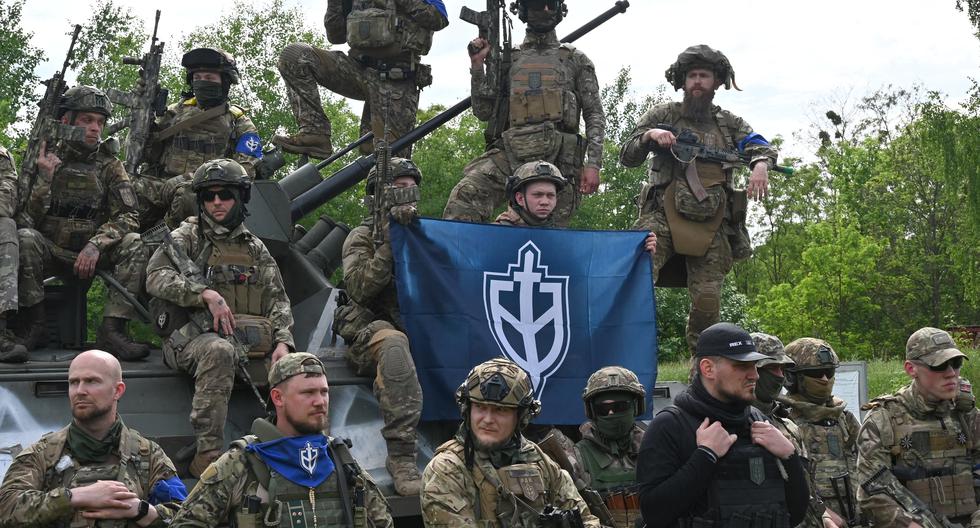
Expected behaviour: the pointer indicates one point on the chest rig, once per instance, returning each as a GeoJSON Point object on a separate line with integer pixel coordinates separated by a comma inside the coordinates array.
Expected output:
{"type": "Point", "coordinates": [615, 480]}
{"type": "Point", "coordinates": [832, 451]}
{"type": "Point", "coordinates": [194, 145]}
{"type": "Point", "coordinates": [77, 205]}
{"type": "Point", "coordinates": [232, 271]}
{"type": "Point", "coordinates": [274, 501]}
{"type": "Point", "coordinates": [932, 458]}
{"type": "Point", "coordinates": [130, 466]}
{"type": "Point", "coordinates": [379, 32]}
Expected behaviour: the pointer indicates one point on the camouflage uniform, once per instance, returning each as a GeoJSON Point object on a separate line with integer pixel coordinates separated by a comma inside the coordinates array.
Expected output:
{"type": "Point", "coordinates": [33, 491]}
{"type": "Point", "coordinates": [388, 80]}
{"type": "Point", "coordinates": [533, 124]}
{"type": "Point", "coordinates": [239, 268]}
{"type": "Point", "coordinates": [88, 199]}
{"type": "Point", "coordinates": [530, 172]}
{"type": "Point", "coordinates": [932, 448]}
{"type": "Point", "coordinates": [465, 486]}
{"type": "Point", "coordinates": [829, 430]}
{"type": "Point", "coordinates": [705, 272]}
{"type": "Point", "coordinates": [9, 259]}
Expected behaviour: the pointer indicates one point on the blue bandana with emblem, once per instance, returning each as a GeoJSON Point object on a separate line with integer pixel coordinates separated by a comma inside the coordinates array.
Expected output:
{"type": "Point", "coordinates": [250, 144]}
{"type": "Point", "coordinates": [302, 460]}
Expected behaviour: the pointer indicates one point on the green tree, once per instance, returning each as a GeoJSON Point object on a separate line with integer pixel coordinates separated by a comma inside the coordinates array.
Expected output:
{"type": "Point", "coordinates": [110, 33]}
{"type": "Point", "coordinates": [18, 82]}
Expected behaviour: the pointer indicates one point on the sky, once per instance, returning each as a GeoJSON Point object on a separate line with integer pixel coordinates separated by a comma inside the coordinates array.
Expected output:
{"type": "Point", "coordinates": [792, 59]}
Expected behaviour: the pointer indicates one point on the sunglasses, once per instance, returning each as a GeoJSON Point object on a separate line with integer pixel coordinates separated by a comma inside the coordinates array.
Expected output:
{"type": "Point", "coordinates": [612, 407]}
{"type": "Point", "coordinates": [819, 373]}
{"type": "Point", "coordinates": [224, 194]}
{"type": "Point", "coordinates": [955, 363]}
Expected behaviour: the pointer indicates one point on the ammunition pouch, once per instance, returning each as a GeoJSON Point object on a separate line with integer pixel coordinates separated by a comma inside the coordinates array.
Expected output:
{"type": "Point", "coordinates": [423, 75]}
{"type": "Point", "coordinates": [68, 233]}
{"type": "Point", "coordinates": [372, 29]}
{"type": "Point", "coordinates": [571, 156]}
{"type": "Point", "coordinates": [535, 106]}
{"type": "Point", "coordinates": [255, 333]}
{"type": "Point", "coordinates": [531, 142]}
{"type": "Point", "coordinates": [737, 231]}
{"type": "Point", "coordinates": [946, 494]}
{"type": "Point", "coordinates": [698, 210]}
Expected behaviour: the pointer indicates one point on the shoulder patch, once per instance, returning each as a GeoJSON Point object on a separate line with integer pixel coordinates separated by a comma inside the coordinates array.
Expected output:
{"type": "Point", "coordinates": [236, 110]}
{"type": "Point", "coordinates": [250, 144]}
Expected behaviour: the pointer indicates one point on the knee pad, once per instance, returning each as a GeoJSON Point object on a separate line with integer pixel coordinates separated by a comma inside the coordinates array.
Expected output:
{"type": "Point", "coordinates": [395, 361]}
{"type": "Point", "coordinates": [293, 54]}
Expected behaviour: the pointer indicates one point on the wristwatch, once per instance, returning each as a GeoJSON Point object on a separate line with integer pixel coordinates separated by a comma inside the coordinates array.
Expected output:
{"type": "Point", "coordinates": [144, 508]}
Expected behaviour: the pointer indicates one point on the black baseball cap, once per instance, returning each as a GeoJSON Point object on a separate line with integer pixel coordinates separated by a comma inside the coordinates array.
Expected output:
{"type": "Point", "coordinates": [727, 340]}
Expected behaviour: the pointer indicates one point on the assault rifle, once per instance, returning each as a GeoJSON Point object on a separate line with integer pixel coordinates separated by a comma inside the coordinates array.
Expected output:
{"type": "Point", "coordinates": [884, 482]}
{"type": "Point", "coordinates": [46, 127]}
{"type": "Point", "coordinates": [845, 498]}
{"type": "Point", "coordinates": [495, 27]}
{"type": "Point", "coordinates": [689, 148]}
{"type": "Point", "coordinates": [147, 101]}
{"type": "Point", "coordinates": [201, 317]}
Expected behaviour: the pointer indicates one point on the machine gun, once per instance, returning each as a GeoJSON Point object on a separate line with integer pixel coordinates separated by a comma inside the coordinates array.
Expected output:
{"type": "Point", "coordinates": [689, 148]}
{"type": "Point", "coordinates": [46, 126]}
{"type": "Point", "coordinates": [885, 482]}
{"type": "Point", "coordinates": [201, 317]}
{"type": "Point", "coordinates": [494, 27]}
{"type": "Point", "coordinates": [147, 101]}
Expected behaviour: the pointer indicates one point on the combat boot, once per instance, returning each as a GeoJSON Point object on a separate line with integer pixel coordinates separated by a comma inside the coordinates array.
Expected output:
{"type": "Point", "coordinates": [201, 462]}
{"type": "Point", "coordinates": [313, 145]}
{"type": "Point", "coordinates": [32, 327]}
{"type": "Point", "coordinates": [10, 350]}
{"type": "Point", "coordinates": [112, 338]}
{"type": "Point", "coordinates": [404, 474]}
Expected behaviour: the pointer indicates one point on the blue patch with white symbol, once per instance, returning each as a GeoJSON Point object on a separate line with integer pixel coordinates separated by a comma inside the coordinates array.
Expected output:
{"type": "Point", "coordinates": [250, 144]}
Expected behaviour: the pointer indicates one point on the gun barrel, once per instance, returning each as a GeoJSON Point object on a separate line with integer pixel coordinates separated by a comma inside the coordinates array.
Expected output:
{"type": "Point", "coordinates": [71, 50]}
{"type": "Point", "coordinates": [357, 170]}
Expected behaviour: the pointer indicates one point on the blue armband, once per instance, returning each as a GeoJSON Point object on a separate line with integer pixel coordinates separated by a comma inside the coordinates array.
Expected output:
{"type": "Point", "coordinates": [440, 6]}
{"type": "Point", "coordinates": [250, 144]}
{"type": "Point", "coordinates": [170, 490]}
{"type": "Point", "coordinates": [752, 139]}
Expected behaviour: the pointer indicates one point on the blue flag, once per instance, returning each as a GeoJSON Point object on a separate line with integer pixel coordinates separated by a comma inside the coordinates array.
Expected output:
{"type": "Point", "coordinates": [560, 303]}
{"type": "Point", "coordinates": [303, 460]}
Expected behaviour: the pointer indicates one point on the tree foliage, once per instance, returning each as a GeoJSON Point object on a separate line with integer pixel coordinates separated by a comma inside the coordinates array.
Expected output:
{"type": "Point", "coordinates": [18, 79]}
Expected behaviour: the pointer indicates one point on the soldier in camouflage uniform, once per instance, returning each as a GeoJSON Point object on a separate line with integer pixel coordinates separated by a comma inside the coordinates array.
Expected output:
{"type": "Point", "coordinates": [288, 473]}
{"type": "Point", "coordinates": [387, 40]}
{"type": "Point", "coordinates": [767, 389]}
{"type": "Point", "coordinates": [610, 442]}
{"type": "Point", "coordinates": [10, 350]}
{"type": "Point", "coordinates": [533, 194]}
{"type": "Point", "coordinates": [828, 428]}
{"type": "Point", "coordinates": [370, 323]}
{"type": "Point", "coordinates": [926, 436]}
{"type": "Point", "coordinates": [699, 238]}
{"type": "Point", "coordinates": [96, 471]}
{"type": "Point", "coordinates": [489, 474]}
{"type": "Point", "coordinates": [243, 294]}
{"type": "Point", "coordinates": [80, 214]}
{"type": "Point", "coordinates": [202, 126]}
{"type": "Point", "coordinates": [552, 86]}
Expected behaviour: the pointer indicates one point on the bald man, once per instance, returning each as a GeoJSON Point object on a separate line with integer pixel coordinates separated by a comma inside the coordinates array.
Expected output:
{"type": "Point", "coordinates": [96, 471]}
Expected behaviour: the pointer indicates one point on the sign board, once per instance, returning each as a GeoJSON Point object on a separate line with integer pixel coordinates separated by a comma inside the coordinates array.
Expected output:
{"type": "Point", "coordinates": [851, 385]}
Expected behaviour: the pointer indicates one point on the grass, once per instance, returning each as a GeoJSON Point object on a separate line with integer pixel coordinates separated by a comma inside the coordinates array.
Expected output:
{"type": "Point", "coordinates": [884, 376]}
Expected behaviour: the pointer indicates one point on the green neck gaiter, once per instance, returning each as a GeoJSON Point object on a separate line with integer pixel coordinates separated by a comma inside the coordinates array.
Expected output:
{"type": "Point", "coordinates": [768, 386]}
{"type": "Point", "coordinates": [614, 426]}
{"type": "Point", "coordinates": [816, 390]}
{"type": "Point", "coordinates": [90, 450]}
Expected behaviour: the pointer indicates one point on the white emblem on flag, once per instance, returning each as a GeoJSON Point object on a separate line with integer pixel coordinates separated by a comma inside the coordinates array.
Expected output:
{"type": "Point", "coordinates": [307, 458]}
{"type": "Point", "coordinates": [537, 337]}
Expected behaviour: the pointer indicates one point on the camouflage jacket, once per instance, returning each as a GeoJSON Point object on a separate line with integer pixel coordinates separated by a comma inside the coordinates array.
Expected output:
{"type": "Point", "coordinates": [165, 281]}
{"type": "Point", "coordinates": [454, 496]}
{"type": "Point", "coordinates": [368, 280]}
{"type": "Point", "coordinates": [8, 185]}
{"type": "Point", "coordinates": [579, 72]}
{"type": "Point", "coordinates": [225, 136]}
{"type": "Point", "coordinates": [884, 442]}
{"type": "Point", "coordinates": [422, 18]}
{"type": "Point", "coordinates": [512, 217]}
{"type": "Point", "coordinates": [730, 127]}
{"type": "Point", "coordinates": [625, 460]}
{"type": "Point", "coordinates": [830, 432]}
{"type": "Point", "coordinates": [223, 486]}
{"type": "Point", "coordinates": [113, 209]}
{"type": "Point", "coordinates": [33, 491]}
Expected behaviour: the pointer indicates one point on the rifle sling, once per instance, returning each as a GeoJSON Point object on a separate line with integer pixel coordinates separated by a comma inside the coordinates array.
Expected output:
{"type": "Point", "coordinates": [184, 125]}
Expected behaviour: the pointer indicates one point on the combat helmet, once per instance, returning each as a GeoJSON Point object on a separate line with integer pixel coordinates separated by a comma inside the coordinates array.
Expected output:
{"type": "Point", "coordinates": [614, 379]}
{"type": "Point", "coordinates": [809, 353]}
{"type": "Point", "coordinates": [399, 167]}
{"type": "Point", "coordinates": [500, 382]}
{"type": "Point", "coordinates": [701, 56]}
{"type": "Point", "coordinates": [531, 172]}
{"type": "Point", "coordinates": [772, 347]}
{"type": "Point", "coordinates": [557, 7]}
{"type": "Point", "coordinates": [211, 59]}
{"type": "Point", "coordinates": [85, 99]}
{"type": "Point", "coordinates": [224, 172]}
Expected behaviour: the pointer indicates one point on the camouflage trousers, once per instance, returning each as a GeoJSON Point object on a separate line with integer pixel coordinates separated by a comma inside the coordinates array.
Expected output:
{"type": "Point", "coordinates": [381, 350]}
{"type": "Point", "coordinates": [9, 262]}
{"type": "Point", "coordinates": [305, 68]}
{"type": "Point", "coordinates": [211, 360]}
{"type": "Point", "coordinates": [484, 188]}
{"type": "Point", "coordinates": [40, 258]}
{"type": "Point", "coordinates": [705, 275]}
